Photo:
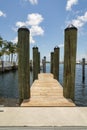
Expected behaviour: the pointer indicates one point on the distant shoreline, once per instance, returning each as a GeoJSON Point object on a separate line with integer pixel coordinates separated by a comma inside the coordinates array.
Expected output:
{"type": "Point", "coordinates": [63, 63]}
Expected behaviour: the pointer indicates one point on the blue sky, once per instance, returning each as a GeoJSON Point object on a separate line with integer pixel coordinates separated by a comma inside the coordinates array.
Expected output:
{"type": "Point", "coordinates": [46, 20]}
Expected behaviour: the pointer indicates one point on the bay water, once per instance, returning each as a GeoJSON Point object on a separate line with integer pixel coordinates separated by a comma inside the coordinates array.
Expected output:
{"type": "Point", "coordinates": [9, 84]}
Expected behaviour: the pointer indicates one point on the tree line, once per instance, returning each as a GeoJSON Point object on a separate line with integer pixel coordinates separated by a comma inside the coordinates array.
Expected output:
{"type": "Point", "coordinates": [8, 49]}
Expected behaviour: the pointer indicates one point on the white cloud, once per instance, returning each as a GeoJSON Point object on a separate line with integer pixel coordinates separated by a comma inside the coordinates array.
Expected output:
{"type": "Point", "coordinates": [70, 3]}
{"type": "Point", "coordinates": [15, 40]}
{"type": "Point", "coordinates": [20, 24]}
{"type": "Point", "coordinates": [80, 20]}
{"type": "Point", "coordinates": [36, 30]}
{"type": "Point", "coordinates": [33, 22]}
{"type": "Point", "coordinates": [31, 39]}
{"type": "Point", "coordinates": [61, 45]}
{"type": "Point", "coordinates": [33, 2]}
{"type": "Point", "coordinates": [14, 29]}
{"type": "Point", "coordinates": [2, 14]}
{"type": "Point", "coordinates": [34, 19]}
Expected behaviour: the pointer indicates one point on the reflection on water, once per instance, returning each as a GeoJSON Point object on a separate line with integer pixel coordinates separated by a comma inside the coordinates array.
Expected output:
{"type": "Point", "coordinates": [80, 88]}
{"type": "Point", "coordinates": [9, 84]}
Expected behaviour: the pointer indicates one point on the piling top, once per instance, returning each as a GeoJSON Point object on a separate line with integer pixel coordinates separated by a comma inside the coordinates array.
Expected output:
{"type": "Point", "coordinates": [56, 47]}
{"type": "Point", "coordinates": [35, 47]}
{"type": "Point", "coordinates": [70, 26]}
{"type": "Point", "coordinates": [83, 59]}
{"type": "Point", "coordinates": [23, 28]}
{"type": "Point", "coordinates": [52, 52]}
{"type": "Point", "coordinates": [44, 57]}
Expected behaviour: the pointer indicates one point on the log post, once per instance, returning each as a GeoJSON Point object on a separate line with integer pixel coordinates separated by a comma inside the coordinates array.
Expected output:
{"type": "Point", "coordinates": [56, 63]}
{"type": "Point", "coordinates": [51, 67]}
{"type": "Point", "coordinates": [83, 70]}
{"type": "Point", "coordinates": [23, 64]}
{"type": "Point", "coordinates": [3, 69]}
{"type": "Point", "coordinates": [38, 62]}
{"type": "Point", "coordinates": [44, 64]}
{"type": "Point", "coordinates": [70, 47]}
{"type": "Point", "coordinates": [35, 63]}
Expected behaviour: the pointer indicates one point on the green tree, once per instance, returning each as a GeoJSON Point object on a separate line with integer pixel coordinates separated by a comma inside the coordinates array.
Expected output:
{"type": "Point", "coordinates": [2, 52]}
{"type": "Point", "coordinates": [1, 44]}
{"type": "Point", "coordinates": [11, 49]}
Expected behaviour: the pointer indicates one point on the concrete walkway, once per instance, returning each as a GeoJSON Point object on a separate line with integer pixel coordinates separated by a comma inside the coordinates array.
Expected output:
{"type": "Point", "coordinates": [44, 128]}
{"type": "Point", "coordinates": [43, 116]}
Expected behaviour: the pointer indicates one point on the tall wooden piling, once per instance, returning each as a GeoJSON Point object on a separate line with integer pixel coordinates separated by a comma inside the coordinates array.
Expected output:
{"type": "Point", "coordinates": [83, 70]}
{"type": "Point", "coordinates": [44, 64]}
{"type": "Point", "coordinates": [23, 64]}
{"type": "Point", "coordinates": [38, 62]}
{"type": "Point", "coordinates": [70, 47]}
{"type": "Point", "coordinates": [35, 63]}
{"type": "Point", "coordinates": [56, 63]}
{"type": "Point", "coordinates": [3, 69]}
{"type": "Point", "coordinates": [51, 67]}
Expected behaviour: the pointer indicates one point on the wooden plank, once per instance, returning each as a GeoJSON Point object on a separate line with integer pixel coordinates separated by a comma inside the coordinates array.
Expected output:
{"type": "Point", "coordinates": [47, 91]}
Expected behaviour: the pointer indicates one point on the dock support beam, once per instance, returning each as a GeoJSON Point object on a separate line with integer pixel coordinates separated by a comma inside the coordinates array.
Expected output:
{"type": "Point", "coordinates": [38, 62]}
{"type": "Point", "coordinates": [44, 64]}
{"type": "Point", "coordinates": [70, 47]}
{"type": "Point", "coordinates": [51, 67]}
{"type": "Point", "coordinates": [3, 69]}
{"type": "Point", "coordinates": [35, 63]}
{"type": "Point", "coordinates": [23, 64]}
{"type": "Point", "coordinates": [83, 70]}
{"type": "Point", "coordinates": [56, 63]}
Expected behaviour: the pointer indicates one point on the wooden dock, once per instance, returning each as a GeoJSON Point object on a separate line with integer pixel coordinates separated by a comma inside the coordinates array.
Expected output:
{"type": "Point", "coordinates": [46, 91]}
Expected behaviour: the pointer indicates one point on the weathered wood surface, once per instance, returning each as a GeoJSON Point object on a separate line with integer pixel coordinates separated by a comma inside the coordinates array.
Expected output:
{"type": "Point", "coordinates": [23, 63]}
{"type": "Point", "coordinates": [70, 49]}
{"type": "Point", "coordinates": [47, 91]}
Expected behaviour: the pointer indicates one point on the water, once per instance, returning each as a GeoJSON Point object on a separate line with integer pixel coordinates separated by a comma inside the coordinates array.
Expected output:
{"type": "Point", "coordinates": [9, 84]}
{"type": "Point", "coordinates": [80, 89]}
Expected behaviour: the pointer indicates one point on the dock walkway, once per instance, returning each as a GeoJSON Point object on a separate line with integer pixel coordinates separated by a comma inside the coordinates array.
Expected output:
{"type": "Point", "coordinates": [46, 91]}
